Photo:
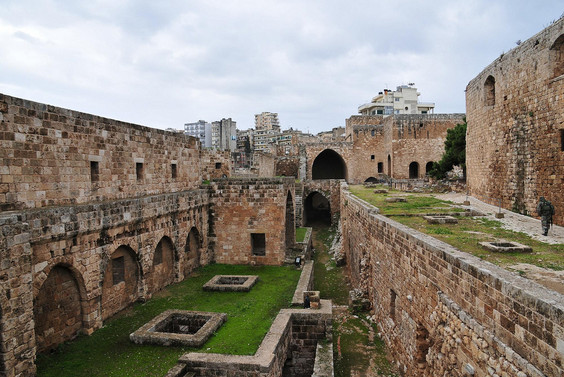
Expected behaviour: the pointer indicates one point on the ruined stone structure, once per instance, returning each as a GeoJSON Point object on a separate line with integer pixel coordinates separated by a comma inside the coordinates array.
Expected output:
{"type": "Point", "coordinates": [443, 312]}
{"type": "Point", "coordinates": [515, 137]}
{"type": "Point", "coordinates": [398, 146]}
{"type": "Point", "coordinates": [97, 214]}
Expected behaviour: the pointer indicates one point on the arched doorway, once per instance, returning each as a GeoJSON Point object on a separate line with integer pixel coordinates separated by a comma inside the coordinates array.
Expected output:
{"type": "Point", "coordinates": [329, 165]}
{"type": "Point", "coordinates": [192, 252]}
{"type": "Point", "coordinates": [57, 309]}
{"type": "Point", "coordinates": [162, 273]}
{"type": "Point", "coordinates": [370, 180]}
{"type": "Point", "coordinates": [317, 209]}
{"type": "Point", "coordinates": [119, 287]}
{"type": "Point", "coordinates": [290, 221]}
{"type": "Point", "coordinates": [428, 167]}
{"type": "Point", "coordinates": [414, 170]}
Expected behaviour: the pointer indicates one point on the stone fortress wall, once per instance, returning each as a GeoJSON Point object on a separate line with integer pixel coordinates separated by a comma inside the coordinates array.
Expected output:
{"type": "Point", "coordinates": [97, 214]}
{"type": "Point", "coordinates": [515, 137]}
{"type": "Point", "coordinates": [443, 312]}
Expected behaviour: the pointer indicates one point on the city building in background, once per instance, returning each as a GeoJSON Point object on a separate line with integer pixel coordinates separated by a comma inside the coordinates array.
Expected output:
{"type": "Point", "coordinates": [404, 100]}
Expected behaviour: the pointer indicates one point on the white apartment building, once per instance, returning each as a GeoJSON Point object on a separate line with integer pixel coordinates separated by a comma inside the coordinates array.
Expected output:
{"type": "Point", "coordinates": [200, 129]}
{"type": "Point", "coordinates": [404, 100]}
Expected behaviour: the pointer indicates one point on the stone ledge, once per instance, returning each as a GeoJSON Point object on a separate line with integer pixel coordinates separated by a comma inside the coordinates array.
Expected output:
{"type": "Point", "coordinates": [304, 284]}
{"type": "Point", "coordinates": [231, 283]}
{"type": "Point", "coordinates": [154, 332]}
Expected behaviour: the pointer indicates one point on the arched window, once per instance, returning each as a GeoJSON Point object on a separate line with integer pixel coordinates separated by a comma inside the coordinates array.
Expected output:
{"type": "Point", "coordinates": [557, 56]}
{"type": "Point", "coordinates": [489, 91]}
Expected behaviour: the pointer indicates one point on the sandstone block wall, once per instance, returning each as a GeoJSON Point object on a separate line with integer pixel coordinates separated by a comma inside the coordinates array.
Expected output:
{"type": "Point", "coordinates": [443, 312]}
{"type": "Point", "coordinates": [53, 156]}
{"type": "Point", "coordinates": [515, 137]}
{"type": "Point", "coordinates": [214, 164]}
{"type": "Point", "coordinates": [246, 207]}
{"type": "Point", "coordinates": [387, 146]}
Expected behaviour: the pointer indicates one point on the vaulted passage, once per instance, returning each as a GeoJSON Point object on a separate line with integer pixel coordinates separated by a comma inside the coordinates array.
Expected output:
{"type": "Point", "coordinates": [317, 209]}
{"type": "Point", "coordinates": [290, 221]}
{"type": "Point", "coordinates": [329, 165]}
{"type": "Point", "coordinates": [414, 170]}
{"type": "Point", "coordinates": [57, 310]}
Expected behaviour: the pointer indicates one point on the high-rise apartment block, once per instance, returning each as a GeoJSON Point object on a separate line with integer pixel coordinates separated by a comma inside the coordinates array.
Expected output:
{"type": "Point", "coordinates": [267, 121]}
{"type": "Point", "coordinates": [224, 134]}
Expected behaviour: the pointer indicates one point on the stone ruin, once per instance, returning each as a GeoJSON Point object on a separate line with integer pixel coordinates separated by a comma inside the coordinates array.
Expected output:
{"type": "Point", "coordinates": [179, 328]}
{"type": "Point", "coordinates": [231, 283]}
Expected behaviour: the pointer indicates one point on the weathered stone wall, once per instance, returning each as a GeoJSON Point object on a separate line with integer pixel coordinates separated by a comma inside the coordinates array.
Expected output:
{"type": "Point", "coordinates": [243, 207]}
{"type": "Point", "coordinates": [264, 164]}
{"type": "Point", "coordinates": [443, 312]}
{"type": "Point", "coordinates": [215, 164]}
{"type": "Point", "coordinates": [419, 139]}
{"type": "Point", "coordinates": [395, 142]}
{"type": "Point", "coordinates": [53, 156]}
{"type": "Point", "coordinates": [312, 151]}
{"type": "Point", "coordinates": [515, 137]}
{"type": "Point", "coordinates": [287, 166]}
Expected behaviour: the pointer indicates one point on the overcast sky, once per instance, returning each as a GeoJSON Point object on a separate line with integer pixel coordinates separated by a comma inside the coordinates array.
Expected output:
{"type": "Point", "coordinates": [164, 63]}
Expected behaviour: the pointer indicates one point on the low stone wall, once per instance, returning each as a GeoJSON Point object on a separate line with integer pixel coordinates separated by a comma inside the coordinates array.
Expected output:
{"type": "Point", "coordinates": [443, 312]}
{"type": "Point", "coordinates": [288, 349]}
{"type": "Point", "coordinates": [304, 284]}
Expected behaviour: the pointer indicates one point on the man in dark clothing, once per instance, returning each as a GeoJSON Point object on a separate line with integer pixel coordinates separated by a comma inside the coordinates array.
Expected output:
{"type": "Point", "coordinates": [545, 209]}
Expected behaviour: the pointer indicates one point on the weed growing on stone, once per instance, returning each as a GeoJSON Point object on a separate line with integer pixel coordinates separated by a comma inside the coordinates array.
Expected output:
{"type": "Point", "coordinates": [109, 352]}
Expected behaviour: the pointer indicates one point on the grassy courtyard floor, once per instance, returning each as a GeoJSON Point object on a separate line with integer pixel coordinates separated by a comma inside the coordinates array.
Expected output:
{"type": "Point", "coordinates": [465, 235]}
{"type": "Point", "coordinates": [109, 352]}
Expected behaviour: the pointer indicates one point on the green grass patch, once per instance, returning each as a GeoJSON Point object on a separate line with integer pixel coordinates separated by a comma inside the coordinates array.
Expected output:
{"type": "Point", "coordinates": [415, 204]}
{"type": "Point", "coordinates": [300, 234]}
{"type": "Point", "coordinates": [328, 278]}
{"type": "Point", "coordinates": [466, 235]}
{"type": "Point", "coordinates": [109, 352]}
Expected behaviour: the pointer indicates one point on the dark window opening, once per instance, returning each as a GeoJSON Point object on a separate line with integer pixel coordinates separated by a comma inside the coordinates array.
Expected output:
{"type": "Point", "coordinates": [489, 91]}
{"type": "Point", "coordinates": [372, 157]}
{"type": "Point", "coordinates": [94, 171]}
{"type": "Point", "coordinates": [258, 243]}
{"type": "Point", "coordinates": [173, 170]}
{"type": "Point", "coordinates": [139, 170]}
{"type": "Point", "coordinates": [380, 112]}
{"type": "Point", "coordinates": [118, 270]}
{"type": "Point", "coordinates": [380, 167]}
{"type": "Point", "coordinates": [393, 298]}
{"type": "Point", "coordinates": [372, 132]}
{"type": "Point", "coordinates": [218, 165]}
{"type": "Point", "coordinates": [562, 140]}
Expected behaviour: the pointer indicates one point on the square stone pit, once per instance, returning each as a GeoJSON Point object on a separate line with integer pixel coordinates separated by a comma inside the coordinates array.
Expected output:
{"type": "Point", "coordinates": [231, 283]}
{"type": "Point", "coordinates": [438, 219]}
{"type": "Point", "coordinates": [179, 328]}
{"type": "Point", "coordinates": [503, 246]}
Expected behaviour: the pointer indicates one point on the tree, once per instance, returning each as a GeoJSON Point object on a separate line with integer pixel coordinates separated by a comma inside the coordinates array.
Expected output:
{"type": "Point", "coordinates": [455, 152]}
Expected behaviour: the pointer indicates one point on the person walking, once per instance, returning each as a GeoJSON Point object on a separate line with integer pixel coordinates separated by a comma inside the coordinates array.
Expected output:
{"type": "Point", "coordinates": [545, 209]}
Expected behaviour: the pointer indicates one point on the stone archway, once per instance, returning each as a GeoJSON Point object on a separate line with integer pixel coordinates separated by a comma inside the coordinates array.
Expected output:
{"type": "Point", "coordinates": [317, 208]}
{"type": "Point", "coordinates": [371, 180]}
{"type": "Point", "coordinates": [57, 309]}
{"type": "Point", "coordinates": [120, 282]}
{"type": "Point", "coordinates": [290, 221]}
{"type": "Point", "coordinates": [162, 273]}
{"type": "Point", "coordinates": [414, 170]}
{"type": "Point", "coordinates": [329, 165]}
{"type": "Point", "coordinates": [192, 252]}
